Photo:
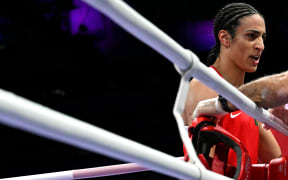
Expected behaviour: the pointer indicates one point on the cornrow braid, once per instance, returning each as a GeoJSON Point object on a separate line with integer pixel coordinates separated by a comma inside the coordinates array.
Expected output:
{"type": "Point", "coordinates": [228, 18]}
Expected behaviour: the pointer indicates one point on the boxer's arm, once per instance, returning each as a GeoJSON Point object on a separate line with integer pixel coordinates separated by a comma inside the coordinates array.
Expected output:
{"type": "Point", "coordinates": [269, 92]}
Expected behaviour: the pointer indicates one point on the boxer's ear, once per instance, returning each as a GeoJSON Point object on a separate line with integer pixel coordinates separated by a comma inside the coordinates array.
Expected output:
{"type": "Point", "coordinates": [224, 38]}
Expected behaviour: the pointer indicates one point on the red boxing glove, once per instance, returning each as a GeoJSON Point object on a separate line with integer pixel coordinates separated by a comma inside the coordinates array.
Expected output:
{"type": "Point", "coordinates": [205, 134]}
{"type": "Point", "coordinates": [276, 170]}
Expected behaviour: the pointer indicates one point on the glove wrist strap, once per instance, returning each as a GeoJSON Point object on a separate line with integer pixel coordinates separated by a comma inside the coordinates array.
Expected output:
{"type": "Point", "coordinates": [224, 103]}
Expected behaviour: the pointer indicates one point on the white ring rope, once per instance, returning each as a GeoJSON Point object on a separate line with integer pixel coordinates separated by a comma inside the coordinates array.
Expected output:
{"type": "Point", "coordinates": [87, 173]}
{"type": "Point", "coordinates": [23, 114]}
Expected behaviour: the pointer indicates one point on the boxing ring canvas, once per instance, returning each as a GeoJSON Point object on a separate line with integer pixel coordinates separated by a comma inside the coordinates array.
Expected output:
{"type": "Point", "coordinates": [21, 113]}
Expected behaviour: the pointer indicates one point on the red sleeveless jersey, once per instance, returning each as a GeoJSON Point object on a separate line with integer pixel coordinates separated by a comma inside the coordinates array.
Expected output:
{"type": "Point", "coordinates": [245, 128]}
{"type": "Point", "coordinates": [282, 141]}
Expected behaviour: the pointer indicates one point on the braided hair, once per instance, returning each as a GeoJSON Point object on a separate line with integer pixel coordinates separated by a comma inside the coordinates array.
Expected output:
{"type": "Point", "coordinates": [228, 18]}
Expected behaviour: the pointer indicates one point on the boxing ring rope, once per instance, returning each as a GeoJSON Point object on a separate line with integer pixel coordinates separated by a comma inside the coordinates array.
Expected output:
{"type": "Point", "coordinates": [21, 113]}
{"type": "Point", "coordinates": [87, 173]}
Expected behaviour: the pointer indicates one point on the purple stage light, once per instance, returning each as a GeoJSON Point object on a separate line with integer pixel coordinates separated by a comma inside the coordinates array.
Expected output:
{"type": "Point", "coordinates": [199, 35]}
{"type": "Point", "coordinates": [86, 20]}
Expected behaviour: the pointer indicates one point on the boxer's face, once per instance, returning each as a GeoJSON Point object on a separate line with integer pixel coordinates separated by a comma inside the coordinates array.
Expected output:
{"type": "Point", "coordinates": [248, 43]}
